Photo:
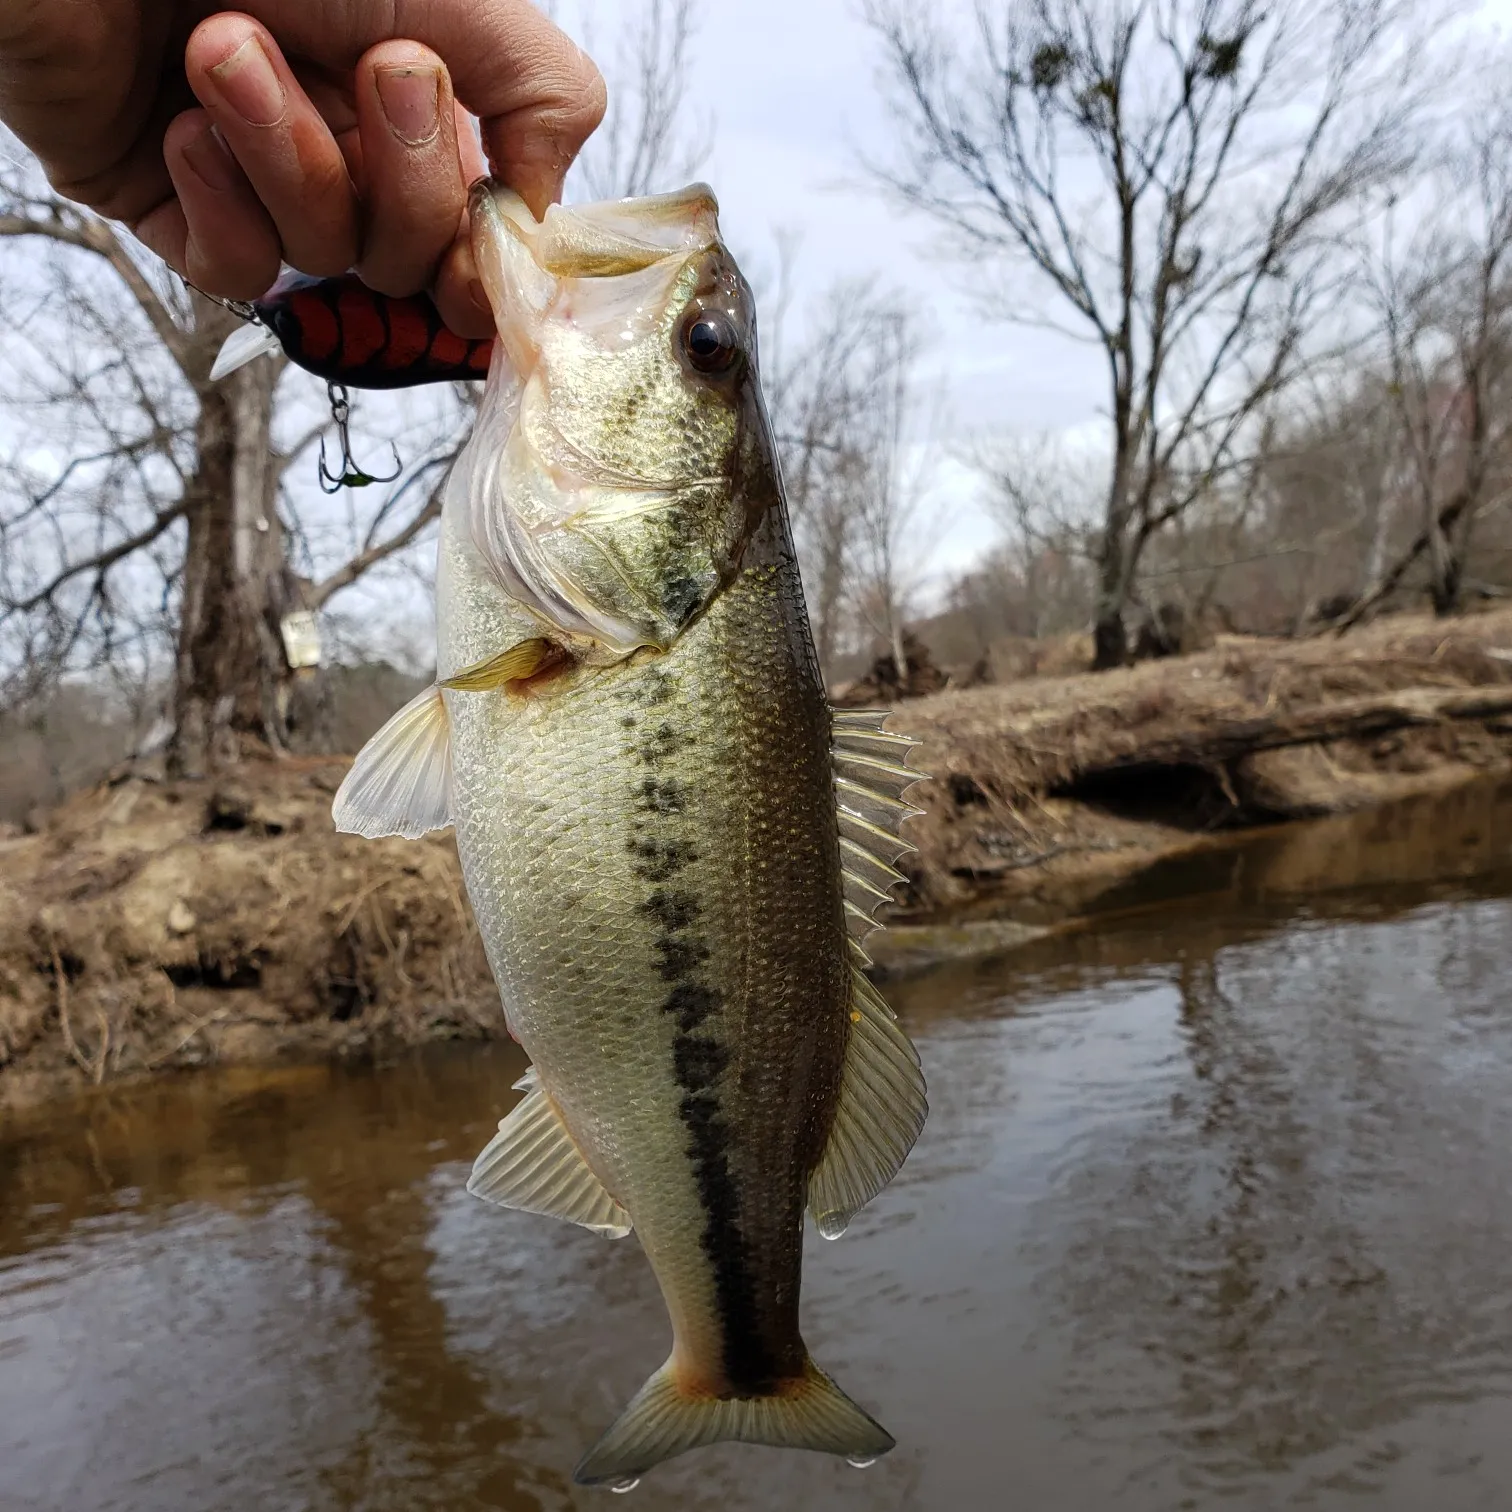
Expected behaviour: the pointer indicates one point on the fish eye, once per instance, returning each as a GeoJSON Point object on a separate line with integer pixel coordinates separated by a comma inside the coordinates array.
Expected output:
{"type": "Point", "coordinates": [711, 342]}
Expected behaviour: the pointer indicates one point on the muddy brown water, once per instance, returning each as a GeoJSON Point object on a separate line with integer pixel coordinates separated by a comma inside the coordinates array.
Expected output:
{"type": "Point", "coordinates": [1214, 1211]}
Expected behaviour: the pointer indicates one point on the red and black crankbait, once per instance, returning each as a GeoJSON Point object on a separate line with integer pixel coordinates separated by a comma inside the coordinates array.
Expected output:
{"type": "Point", "coordinates": [348, 334]}
{"type": "Point", "coordinates": [344, 332]}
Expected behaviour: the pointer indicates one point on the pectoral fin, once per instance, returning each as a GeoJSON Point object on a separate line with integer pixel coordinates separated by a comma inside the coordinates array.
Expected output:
{"type": "Point", "coordinates": [400, 783]}
{"type": "Point", "coordinates": [523, 660]}
{"type": "Point", "coordinates": [534, 1164]}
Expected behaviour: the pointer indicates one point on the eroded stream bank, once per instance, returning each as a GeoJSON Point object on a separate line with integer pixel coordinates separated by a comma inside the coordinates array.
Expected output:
{"type": "Point", "coordinates": [148, 926]}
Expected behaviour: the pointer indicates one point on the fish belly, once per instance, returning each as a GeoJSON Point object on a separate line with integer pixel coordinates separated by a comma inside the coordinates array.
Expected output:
{"type": "Point", "coordinates": [653, 860]}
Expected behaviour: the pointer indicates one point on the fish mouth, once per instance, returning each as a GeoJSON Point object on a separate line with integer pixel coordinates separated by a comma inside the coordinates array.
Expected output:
{"type": "Point", "coordinates": [522, 261]}
{"type": "Point", "coordinates": [603, 240]}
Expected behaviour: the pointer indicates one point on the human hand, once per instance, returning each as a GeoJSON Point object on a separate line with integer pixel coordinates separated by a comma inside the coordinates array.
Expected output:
{"type": "Point", "coordinates": [318, 139]}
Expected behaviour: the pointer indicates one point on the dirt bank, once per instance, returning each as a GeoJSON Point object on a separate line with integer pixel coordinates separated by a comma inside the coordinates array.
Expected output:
{"type": "Point", "coordinates": [1048, 791]}
{"type": "Point", "coordinates": [148, 925]}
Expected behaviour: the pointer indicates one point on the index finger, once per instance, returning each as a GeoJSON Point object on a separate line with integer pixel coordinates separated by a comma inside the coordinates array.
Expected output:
{"type": "Point", "coordinates": [536, 93]}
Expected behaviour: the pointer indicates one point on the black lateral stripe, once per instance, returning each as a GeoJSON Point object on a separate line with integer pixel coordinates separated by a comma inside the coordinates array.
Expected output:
{"type": "Point", "coordinates": [661, 846]}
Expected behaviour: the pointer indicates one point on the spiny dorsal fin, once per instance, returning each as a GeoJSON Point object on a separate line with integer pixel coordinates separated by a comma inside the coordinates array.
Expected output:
{"type": "Point", "coordinates": [881, 1110]}
{"type": "Point", "coordinates": [400, 783]}
{"type": "Point", "coordinates": [534, 1164]}
{"type": "Point", "coordinates": [871, 776]}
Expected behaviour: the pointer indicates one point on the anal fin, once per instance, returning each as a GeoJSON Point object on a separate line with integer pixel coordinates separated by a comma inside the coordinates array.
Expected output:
{"type": "Point", "coordinates": [880, 1113]}
{"type": "Point", "coordinates": [533, 1164]}
{"type": "Point", "coordinates": [400, 783]}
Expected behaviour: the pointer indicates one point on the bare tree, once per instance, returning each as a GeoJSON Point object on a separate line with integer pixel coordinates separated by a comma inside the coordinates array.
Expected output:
{"type": "Point", "coordinates": [817, 391]}
{"type": "Point", "coordinates": [147, 511]}
{"type": "Point", "coordinates": [1176, 175]}
{"type": "Point", "coordinates": [645, 144]}
{"type": "Point", "coordinates": [1045, 497]}
{"type": "Point", "coordinates": [845, 408]}
{"type": "Point", "coordinates": [893, 550]}
{"type": "Point", "coordinates": [1446, 316]}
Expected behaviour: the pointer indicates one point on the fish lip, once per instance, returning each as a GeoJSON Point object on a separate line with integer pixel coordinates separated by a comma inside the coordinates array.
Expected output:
{"type": "Point", "coordinates": [484, 196]}
{"type": "Point", "coordinates": [603, 239]}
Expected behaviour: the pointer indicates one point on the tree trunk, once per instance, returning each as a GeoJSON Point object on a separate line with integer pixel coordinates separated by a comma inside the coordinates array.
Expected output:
{"type": "Point", "coordinates": [1377, 514]}
{"type": "Point", "coordinates": [832, 543]}
{"type": "Point", "coordinates": [1221, 737]}
{"type": "Point", "coordinates": [232, 677]}
{"type": "Point", "coordinates": [1110, 635]}
{"type": "Point", "coordinates": [900, 657]}
{"type": "Point", "coordinates": [1439, 561]}
{"type": "Point", "coordinates": [1448, 587]}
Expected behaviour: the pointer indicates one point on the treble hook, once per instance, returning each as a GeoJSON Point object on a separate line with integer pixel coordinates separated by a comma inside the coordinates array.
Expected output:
{"type": "Point", "coordinates": [350, 476]}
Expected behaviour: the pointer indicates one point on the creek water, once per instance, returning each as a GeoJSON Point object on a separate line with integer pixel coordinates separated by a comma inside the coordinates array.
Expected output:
{"type": "Point", "coordinates": [1214, 1210]}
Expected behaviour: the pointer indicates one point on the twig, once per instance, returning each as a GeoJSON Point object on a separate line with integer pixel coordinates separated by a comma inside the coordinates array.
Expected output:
{"type": "Point", "coordinates": [361, 898]}
{"type": "Point", "coordinates": [194, 1028]}
{"type": "Point", "coordinates": [60, 984]}
{"type": "Point", "coordinates": [98, 1072]}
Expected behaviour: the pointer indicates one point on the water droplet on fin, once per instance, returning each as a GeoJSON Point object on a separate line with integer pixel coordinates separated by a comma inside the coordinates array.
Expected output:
{"type": "Point", "coordinates": [860, 1461]}
{"type": "Point", "coordinates": [619, 1487]}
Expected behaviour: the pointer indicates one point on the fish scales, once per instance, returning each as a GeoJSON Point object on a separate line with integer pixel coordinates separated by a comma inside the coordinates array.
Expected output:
{"type": "Point", "coordinates": [674, 822]}
{"type": "Point", "coordinates": [670, 842]}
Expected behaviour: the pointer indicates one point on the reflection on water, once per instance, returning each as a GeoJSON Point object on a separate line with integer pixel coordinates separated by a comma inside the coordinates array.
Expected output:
{"type": "Point", "coordinates": [1213, 1210]}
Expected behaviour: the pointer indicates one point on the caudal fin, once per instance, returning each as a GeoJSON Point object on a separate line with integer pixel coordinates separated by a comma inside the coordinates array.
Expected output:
{"type": "Point", "coordinates": [661, 1421]}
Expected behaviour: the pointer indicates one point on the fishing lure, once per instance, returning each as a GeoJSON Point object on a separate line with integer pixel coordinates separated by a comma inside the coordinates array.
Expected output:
{"type": "Point", "coordinates": [349, 334]}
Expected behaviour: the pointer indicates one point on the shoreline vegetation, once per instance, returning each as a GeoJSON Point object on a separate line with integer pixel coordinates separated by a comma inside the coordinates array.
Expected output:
{"type": "Point", "coordinates": [148, 926]}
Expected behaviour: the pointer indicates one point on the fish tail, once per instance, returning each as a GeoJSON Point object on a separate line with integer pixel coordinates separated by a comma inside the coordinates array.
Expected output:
{"type": "Point", "coordinates": [664, 1419]}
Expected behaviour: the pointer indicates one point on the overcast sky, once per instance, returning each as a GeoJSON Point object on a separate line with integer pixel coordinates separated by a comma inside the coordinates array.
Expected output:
{"type": "Point", "coordinates": [792, 89]}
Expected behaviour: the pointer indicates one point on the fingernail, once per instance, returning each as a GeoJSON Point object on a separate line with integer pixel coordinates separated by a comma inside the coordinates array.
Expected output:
{"type": "Point", "coordinates": [210, 158]}
{"type": "Point", "coordinates": [479, 296]}
{"type": "Point", "coordinates": [250, 86]}
{"type": "Point", "coordinates": [411, 100]}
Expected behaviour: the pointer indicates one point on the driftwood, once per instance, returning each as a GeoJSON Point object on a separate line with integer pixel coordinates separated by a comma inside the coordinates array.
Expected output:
{"type": "Point", "coordinates": [1219, 739]}
{"type": "Point", "coordinates": [1447, 518]}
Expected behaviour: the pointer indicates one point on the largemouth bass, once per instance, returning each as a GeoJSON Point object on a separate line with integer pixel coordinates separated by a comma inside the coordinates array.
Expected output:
{"type": "Point", "coordinates": [672, 846]}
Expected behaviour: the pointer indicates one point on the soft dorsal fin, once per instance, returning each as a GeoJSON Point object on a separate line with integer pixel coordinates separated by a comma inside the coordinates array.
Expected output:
{"type": "Point", "coordinates": [534, 1164]}
{"type": "Point", "coordinates": [400, 783]}
{"type": "Point", "coordinates": [871, 776]}
{"type": "Point", "coordinates": [881, 1110]}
